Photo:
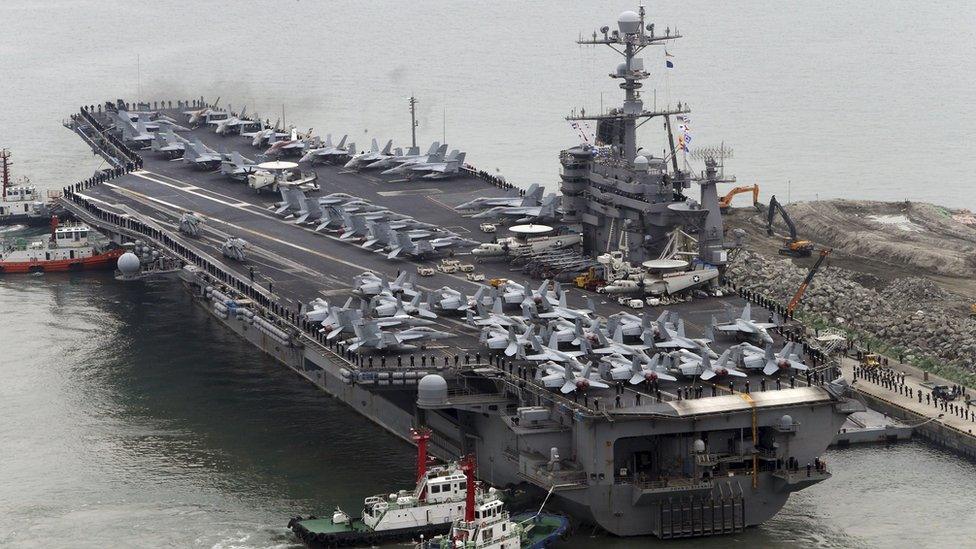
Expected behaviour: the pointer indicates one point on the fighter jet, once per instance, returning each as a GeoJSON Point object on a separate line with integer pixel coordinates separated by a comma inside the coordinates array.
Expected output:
{"type": "Point", "coordinates": [374, 154]}
{"type": "Point", "coordinates": [562, 310]}
{"type": "Point", "coordinates": [703, 367]}
{"type": "Point", "coordinates": [506, 340]}
{"type": "Point", "coordinates": [674, 338]}
{"type": "Point", "coordinates": [370, 336]}
{"type": "Point", "coordinates": [445, 168]}
{"type": "Point", "coordinates": [533, 197]}
{"type": "Point", "coordinates": [639, 368]}
{"type": "Point", "coordinates": [494, 317]}
{"type": "Point", "coordinates": [292, 199]}
{"type": "Point", "coordinates": [369, 284]}
{"type": "Point", "coordinates": [201, 156]}
{"type": "Point", "coordinates": [386, 232]}
{"type": "Point", "coordinates": [386, 304]}
{"type": "Point", "coordinates": [515, 293]}
{"type": "Point", "coordinates": [634, 326]}
{"type": "Point", "coordinates": [617, 345]}
{"type": "Point", "coordinates": [411, 154]}
{"type": "Point", "coordinates": [449, 299]}
{"type": "Point", "coordinates": [231, 124]}
{"type": "Point", "coordinates": [329, 152]}
{"type": "Point", "coordinates": [235, 166]}
{"type": "Point", "coordinates": [571, 377]}
{"type": "Point", "coordinates": [405, 245]}
{"type": "Point", "coordinates": [746, 326]}
{"type": "Point", "coordinates": [195, 117]}
{"type": "Point", "coordinates": [552, 352]}
{"type": "Point", "coordinates": [404, 166]}
{"type": "Point", "coordinates": [171, 146]}
{"type": "Point", "coordinates": [340, 319]}
{"type": "Point", "coordinates": [152, 120]}
{"type": "Point", "coordinates": [136, 135]}
{"type": "Point", "coordinates": [260, 136]}
{"type": "Point", "coordinates": [754, 358]}
{"type": "Point", "coordinates": [545, 211]}
{"type": "Point", "coordinates": [291, 145]}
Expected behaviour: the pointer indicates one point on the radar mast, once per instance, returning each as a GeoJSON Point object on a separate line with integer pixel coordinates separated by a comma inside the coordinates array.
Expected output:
{"type": "Point", "coordinates": [629, 40]}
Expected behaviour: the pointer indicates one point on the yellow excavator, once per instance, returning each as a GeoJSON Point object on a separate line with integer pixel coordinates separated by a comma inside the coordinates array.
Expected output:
{"type": "Point", "coordinates": [726, 201]}
{"type": "Point", "coordinates": [793, 245]}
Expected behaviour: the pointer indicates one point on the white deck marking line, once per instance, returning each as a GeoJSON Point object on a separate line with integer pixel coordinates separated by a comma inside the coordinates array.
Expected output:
{"type": "Point", "coordinates": [262, 235]}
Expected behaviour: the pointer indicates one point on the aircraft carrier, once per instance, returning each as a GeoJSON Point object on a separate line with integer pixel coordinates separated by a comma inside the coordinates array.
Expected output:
{"type": "Point", "coordinates": [688, 458]}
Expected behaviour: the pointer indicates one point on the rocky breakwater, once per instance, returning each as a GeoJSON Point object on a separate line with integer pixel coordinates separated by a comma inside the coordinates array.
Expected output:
{"type": "Point", "coordinates": [912, 317]}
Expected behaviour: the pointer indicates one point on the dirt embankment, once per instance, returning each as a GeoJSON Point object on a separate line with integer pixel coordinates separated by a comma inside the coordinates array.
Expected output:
{"type": "Point", "coordinates": [885, 240]}
{"type": "Point", "coordinates": [904, 273]}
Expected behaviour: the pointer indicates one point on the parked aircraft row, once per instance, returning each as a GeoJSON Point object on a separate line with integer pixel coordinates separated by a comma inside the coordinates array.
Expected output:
{"type": "Point", "coordinates": [626, 345]}
{"type": "Point", "coordinates": [373, 227]}
{"type": "Point", "coordinates": [277, 142]}
{"type": "Point", "coordinates": [532, 207]}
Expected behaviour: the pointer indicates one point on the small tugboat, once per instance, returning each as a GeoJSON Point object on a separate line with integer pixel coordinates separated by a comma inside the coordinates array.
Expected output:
{"type": "Point", "coordinates": [67, 249]}
{"type": "Point", "coordinates": [19, 202]}
{"type": "Point", "coordinates": [487, 525]}
{"type": "Point", "coordinates": [437, 500]}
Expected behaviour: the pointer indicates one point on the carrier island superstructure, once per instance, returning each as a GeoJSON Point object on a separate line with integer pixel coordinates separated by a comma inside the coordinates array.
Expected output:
{"type": "Point", "coordinates": [671, 459]}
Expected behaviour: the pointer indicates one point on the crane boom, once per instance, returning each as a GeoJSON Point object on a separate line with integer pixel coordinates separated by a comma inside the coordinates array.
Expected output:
{"type": "Point", "coordinates": [726, 200]}
{"type": "Point", "coordinates": [774, 207]}
{"type": "Point", "coordinates": [806, 281]}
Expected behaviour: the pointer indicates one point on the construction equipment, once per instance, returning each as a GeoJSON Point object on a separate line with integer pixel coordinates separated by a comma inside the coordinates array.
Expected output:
{"type": "Point", "coordinates": [726, 201]}
{"type": "Point", "coordinates": [870, 361]}
{"type": "Point", "coordinates": [806, 281]}
{"type": "Point", "coordinates": [793, 245]}
{"type": "Point", "coordinates": [591, 280]}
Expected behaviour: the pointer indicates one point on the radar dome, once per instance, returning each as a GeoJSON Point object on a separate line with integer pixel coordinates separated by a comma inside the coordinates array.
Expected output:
{"type": "Point", "coordinates": [786, 422]}
{"type": "Point", "coordinates": [128, 263]}
{"type": "Point", "coordinates": [431, 391]}
{"type": "Point", "coordinates": [641, 164]}
{"type": "Point", "coordinates": [628, 22]}
{"type": "Point", "coordinates": [621, 69]}
{"type": "Point", "coordinates": [699, 446]}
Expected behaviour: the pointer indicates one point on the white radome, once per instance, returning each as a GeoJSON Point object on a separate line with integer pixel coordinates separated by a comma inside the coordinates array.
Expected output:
{"type": "Point", "coordinates": [129, 263]}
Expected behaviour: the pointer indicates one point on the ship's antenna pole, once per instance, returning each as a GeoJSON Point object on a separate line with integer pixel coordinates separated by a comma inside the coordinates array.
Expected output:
{"type": "Point", "coordinates": [5, 169]}
{"type": "Point", "coordinates": [413, 121]}
{"type": "Point", "coordinates": [138, 76]}
{"type": "Point", "coordinates": [444, 137]}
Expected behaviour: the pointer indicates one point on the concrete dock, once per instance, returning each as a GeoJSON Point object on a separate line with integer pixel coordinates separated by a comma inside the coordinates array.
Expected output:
{"type": "Point", "coordinates": [950, 424]}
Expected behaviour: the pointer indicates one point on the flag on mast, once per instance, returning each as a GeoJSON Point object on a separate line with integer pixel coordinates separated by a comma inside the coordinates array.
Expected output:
{"type": "Point", "coordinates": [667, 61]}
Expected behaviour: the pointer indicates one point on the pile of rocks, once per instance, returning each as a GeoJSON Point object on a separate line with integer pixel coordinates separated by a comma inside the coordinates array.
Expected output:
{"type": "Point", "coordinates": [911, 313]}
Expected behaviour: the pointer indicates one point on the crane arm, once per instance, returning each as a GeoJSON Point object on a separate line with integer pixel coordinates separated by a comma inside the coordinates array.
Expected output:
{"type": "Point", "coordinates": [726, 200]}
{"type": "Point", "coordinates": [806, 281]}
{"type": "Point", "coordinates": [774, 207]}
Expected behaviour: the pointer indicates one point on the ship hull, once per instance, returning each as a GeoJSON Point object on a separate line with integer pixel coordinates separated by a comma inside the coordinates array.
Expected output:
{"type": "Point", "coordinates": [103, 261]}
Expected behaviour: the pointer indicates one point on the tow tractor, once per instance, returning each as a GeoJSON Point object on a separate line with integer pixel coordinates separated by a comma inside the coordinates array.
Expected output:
{"type": "Point", "coordinates": [449, 266]}
{"type": "Point", "coordinates": [425, 271]}
{"type": "Point", "coordinates": [488, 227]}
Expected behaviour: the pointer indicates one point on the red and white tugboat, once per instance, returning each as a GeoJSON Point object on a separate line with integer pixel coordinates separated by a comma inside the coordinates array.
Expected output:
{"type": "Point", "coordinates": [67, 249]}
{"type": "Point", "coordinates": [20, 202]}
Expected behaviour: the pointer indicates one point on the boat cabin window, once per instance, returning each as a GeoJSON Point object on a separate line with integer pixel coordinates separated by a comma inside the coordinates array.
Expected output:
{"type": "Point", "coordinates": [435, 489]}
